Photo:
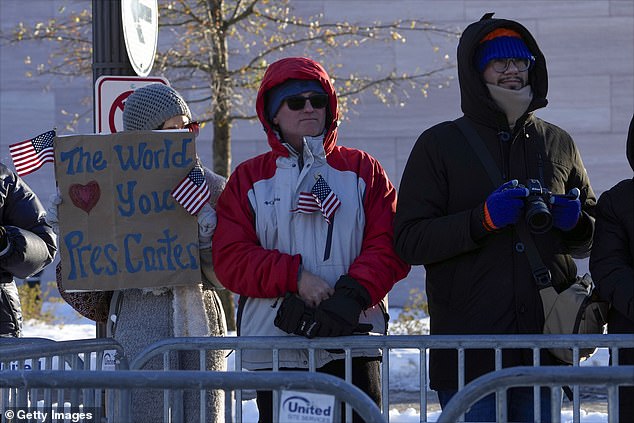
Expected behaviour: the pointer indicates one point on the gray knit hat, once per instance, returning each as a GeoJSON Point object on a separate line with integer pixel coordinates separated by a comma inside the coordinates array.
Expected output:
{"type": "Point", "coordinates": [150, 106]}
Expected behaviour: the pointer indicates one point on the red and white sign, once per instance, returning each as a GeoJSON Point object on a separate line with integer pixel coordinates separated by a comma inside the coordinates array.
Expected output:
{"type": "Point", "coordinates": [110, 95]}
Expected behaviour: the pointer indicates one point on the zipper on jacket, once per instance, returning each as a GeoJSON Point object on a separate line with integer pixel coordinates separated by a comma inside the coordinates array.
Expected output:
{"type": "Point", "coordinates": [540, 168]}
{"type": "Point", "coordinates": [506, 142]}
{"type": "Point", "coordinates": [505, 152]}
{"type": "Point", "coordinates": [538, 154]}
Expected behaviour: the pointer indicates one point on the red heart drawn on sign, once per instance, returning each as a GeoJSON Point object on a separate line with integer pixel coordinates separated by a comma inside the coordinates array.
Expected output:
{"type": "Point", "coordinates": [85, 196]}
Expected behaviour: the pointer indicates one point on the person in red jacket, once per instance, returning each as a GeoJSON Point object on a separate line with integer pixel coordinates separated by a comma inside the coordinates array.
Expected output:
{"type": "Point", "coordinates": [307, 226]}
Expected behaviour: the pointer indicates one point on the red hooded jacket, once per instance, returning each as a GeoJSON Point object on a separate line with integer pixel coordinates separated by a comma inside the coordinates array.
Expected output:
{"type": "Point", "coordinates": [261, 240]}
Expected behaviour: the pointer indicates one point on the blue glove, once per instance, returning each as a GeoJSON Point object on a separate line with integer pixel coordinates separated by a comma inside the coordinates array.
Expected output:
{"type": "Point", "coordinates": [504, 206]}
{"type": "Point", "coordinates": [566, 210]}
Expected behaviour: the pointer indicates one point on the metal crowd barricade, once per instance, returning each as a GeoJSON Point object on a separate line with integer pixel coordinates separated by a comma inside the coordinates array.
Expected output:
{"type": "Point", "coordinates": [611, 377]}
{"type": "Point", "coordinates": [421, 343]}
{"type": "Point", "coordinates": [194, 380]}
{"type": "Point", "coordinates": [7, 342]}
{"type": "Point", "coordinates": [74, 361]}
{"type": "Point", "coordinates": [35, 355]}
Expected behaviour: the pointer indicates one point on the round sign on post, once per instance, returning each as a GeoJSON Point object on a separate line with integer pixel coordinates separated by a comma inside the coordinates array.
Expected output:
{"type": "Point", "coordinates": [140, 31]}
{"type": "Point", "coordinates": [110, 94]}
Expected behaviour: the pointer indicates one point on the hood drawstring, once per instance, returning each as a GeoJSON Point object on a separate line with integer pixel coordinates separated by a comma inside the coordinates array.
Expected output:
{"type": "Point", "coordinates": [539, 158]}
{"type": "Point", "coordinates": [505, 141]}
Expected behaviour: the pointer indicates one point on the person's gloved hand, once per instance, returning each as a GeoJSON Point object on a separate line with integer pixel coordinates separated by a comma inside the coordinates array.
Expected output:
{"type": "Point", "coordinates": [294, 316]}
{"type": "Point", "coordinates": [206, 226]}
{"type": "Point", "coordinates": [4, 239]}
{"type": "Point", "coordinates": [504, 206]}
{"type": "Point", "coordinates": [566, 210]}
{"type": "Point", "coordinates": [339, 314]}
{"type": "Point", "coordinates": [51, 212]}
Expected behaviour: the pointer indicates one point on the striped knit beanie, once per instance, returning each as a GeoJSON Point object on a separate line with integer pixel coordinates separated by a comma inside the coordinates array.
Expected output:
{"type": "Point", "coordinates": [501, 43]}
{"type": "Point", "coordinates": [148, 107]}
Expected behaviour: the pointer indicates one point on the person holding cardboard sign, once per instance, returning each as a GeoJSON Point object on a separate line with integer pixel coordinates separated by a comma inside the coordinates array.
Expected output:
{"type": "Point", "coordinates": [139, 317]}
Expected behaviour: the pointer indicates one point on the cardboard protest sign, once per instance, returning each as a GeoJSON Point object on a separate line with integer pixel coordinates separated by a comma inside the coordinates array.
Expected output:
{"type": "Point", "coordinates": [119, 225]}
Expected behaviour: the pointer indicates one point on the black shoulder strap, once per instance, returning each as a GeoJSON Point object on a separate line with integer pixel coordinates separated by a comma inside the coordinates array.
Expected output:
{"type": "Point", "coordinates": [480, 149]}
{"type": "Point", "coordinates": [541, 274]}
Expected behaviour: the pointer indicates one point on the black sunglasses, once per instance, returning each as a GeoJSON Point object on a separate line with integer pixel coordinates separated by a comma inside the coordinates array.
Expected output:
{"type": "Point", "coordinates": [298, 102]}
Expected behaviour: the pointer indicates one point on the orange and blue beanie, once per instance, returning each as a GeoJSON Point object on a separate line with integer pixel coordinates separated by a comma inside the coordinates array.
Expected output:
{"type": "Point", "coordinates": [501, 43]}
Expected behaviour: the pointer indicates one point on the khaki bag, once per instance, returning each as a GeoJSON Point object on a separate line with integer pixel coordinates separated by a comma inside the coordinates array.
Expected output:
{"type": "Point", "coordinates": [576, 310]}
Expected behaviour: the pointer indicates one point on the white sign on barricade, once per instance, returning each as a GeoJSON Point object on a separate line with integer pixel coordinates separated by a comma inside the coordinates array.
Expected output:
{"type": "Point", "coordinates": [296, 406]}
{"type": "Point", "coordinates": [109, 360]}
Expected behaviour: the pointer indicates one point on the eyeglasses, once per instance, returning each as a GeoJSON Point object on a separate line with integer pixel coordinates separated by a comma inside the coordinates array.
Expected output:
{"type": "Point", "coordinates": [298, 102]}
{"type": "Point", "coordinates": [193, 127]}
{"type": "Point", "coordinates": [501, 65]}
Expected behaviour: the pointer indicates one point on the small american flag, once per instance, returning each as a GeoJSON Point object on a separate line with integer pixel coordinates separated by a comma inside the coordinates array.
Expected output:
{"type": "Point", "coordinates": [306, 203]}
{"type": "Point", "coordinates": [192, 192]}
{"type": "Point", "coordinates": [321, 198]}
{"type": "Point", "coordinates": [28, 156]}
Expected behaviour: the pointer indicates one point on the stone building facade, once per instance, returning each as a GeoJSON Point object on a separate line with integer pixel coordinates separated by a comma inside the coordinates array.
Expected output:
{"type": "Point", "coordinates": [589, 47]}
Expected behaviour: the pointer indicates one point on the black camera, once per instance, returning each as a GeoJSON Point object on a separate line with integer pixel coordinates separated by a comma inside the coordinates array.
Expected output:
{"type": "Point", "coordinates": [537, 210]}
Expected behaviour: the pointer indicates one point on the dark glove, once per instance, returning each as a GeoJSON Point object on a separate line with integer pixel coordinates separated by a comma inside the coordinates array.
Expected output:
{"type": "Point", "coordinates": [339, 314]}
{"type": "Point", "coordinates": [294, 316]}
{"type": "Point", "coordinates": [4, 239]}
{"type": "Point", "coordinates": [566, 210]}
{"type": "Point", "coordinates": [504, 206]}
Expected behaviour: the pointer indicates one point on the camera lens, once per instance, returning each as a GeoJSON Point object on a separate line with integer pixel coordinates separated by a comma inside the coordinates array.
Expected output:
{"type": "Point", "coordinates": [538, 216]}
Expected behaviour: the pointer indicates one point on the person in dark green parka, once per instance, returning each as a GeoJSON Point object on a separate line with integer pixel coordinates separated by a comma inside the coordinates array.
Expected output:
{"type": "Point", "coordinates": [455, 221]}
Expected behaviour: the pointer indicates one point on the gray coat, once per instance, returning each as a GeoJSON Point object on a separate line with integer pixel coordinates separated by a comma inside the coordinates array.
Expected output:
{"type": "Point", "coordinates": [145, 316]}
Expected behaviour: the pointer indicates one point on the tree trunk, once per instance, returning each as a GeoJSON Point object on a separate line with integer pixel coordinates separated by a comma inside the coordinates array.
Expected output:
{"type": "Point", "coordinates": [222, 165]}
{"type": "Point", "coordinates": [221, 96]}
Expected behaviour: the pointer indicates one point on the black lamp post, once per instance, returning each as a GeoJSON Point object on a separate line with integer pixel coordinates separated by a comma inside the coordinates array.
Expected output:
{"type": "Point", "coordinates": [109, 57]}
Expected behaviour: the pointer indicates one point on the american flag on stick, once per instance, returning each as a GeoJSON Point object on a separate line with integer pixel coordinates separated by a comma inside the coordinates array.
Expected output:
{"type": "Point", "coordinates": [320, 198]}
{"type": "Point", "coordinates": [28, 156]}
{"type": "Point", "coordinates": [192, 192]}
